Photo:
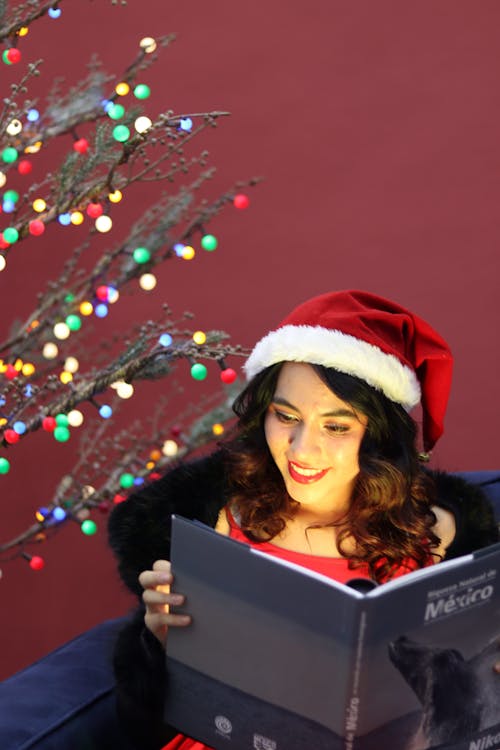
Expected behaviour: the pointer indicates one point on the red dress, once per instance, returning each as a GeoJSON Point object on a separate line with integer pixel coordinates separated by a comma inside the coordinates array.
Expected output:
{"type": "Point", "coordinates": [336, 568]}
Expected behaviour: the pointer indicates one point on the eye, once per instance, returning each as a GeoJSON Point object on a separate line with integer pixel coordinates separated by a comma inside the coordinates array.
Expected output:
{"type": "Point", "coordinates": [283, 417]}
{"type": "Point", "coordinates": [337, 429]}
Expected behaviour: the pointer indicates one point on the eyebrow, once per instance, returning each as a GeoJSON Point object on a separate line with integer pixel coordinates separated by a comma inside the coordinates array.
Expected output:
{"type": "Point", "coordinates": [335, 413]}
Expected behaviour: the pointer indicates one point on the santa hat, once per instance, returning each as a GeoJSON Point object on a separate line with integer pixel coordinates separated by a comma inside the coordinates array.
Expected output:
{"type": "Point", "coordinates": [376, 340]}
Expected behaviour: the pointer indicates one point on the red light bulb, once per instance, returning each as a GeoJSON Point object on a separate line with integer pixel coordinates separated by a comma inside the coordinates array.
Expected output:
{"type": "Point", "coordinates": [24, 166]}
{"type": "Point", "coordinates": [11, 437]}
{"type": "Point", "coordinates": [94, 210]}
{"type": "Point", "coordinates": [81, 145]}
{"type": "Point", "coordinates": [228, 375]}
{"type": "Point", "coordinates": [241, 201]}
{"type": "Point", "coordinates": [37, 562]}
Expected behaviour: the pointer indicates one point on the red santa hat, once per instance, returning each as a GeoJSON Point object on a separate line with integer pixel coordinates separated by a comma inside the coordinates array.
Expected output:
{"type": "Point", "coordinates": [372, 338]}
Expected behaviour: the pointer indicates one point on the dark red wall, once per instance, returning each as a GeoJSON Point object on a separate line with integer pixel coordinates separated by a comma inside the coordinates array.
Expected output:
{"type": "Point", "coordinates": [375, 126]}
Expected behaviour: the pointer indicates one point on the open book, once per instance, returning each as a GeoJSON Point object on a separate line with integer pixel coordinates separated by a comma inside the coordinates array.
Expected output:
{"type": "Point", "coordinates": [281, 658]}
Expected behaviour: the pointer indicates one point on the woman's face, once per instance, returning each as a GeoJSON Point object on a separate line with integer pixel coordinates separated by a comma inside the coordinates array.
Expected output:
{"type": "Point", "coordinates": [314, 438]}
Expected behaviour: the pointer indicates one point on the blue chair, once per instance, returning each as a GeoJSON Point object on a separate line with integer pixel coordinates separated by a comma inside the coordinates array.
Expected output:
{"type": "Point", "coordinates": [65, 701]}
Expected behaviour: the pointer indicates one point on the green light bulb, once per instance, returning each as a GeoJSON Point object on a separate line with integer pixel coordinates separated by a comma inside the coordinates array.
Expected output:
{"type": "Point", "coordinates": [126, 480]}
{"type": "Point", "coordinates": [199, 371]}
{"type": "Point", "coordinates": [121, 133]}
{"type": "Point", "coordinates": [141, 255]}
{"type": "Point", "coordinates": [73, 322]}
{"type": "Point", "coordinates": [209, 242]}
{"type": "Point", "coordinates": [89, 527]}
{"type": "Point", "coordinates": [142, 91]}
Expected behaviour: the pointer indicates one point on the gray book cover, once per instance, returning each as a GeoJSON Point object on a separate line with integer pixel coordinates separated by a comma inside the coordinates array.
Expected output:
{"type": "Point", "coordinates": [280, 658]}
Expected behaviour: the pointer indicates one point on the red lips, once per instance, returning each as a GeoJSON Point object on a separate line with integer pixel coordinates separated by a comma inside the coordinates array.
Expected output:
{"type": "Point", "coordinates": [297, 473]}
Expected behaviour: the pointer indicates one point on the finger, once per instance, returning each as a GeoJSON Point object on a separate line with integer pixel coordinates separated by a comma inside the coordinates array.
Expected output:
{"type": "Point", "coordinates": [153, 597]}
{"type": "Point", "coordinates": [162, 565]}
{"type": "Point", "coordinates": [153, 578]}
{"type": "Point", "coordinates": [156, 621]}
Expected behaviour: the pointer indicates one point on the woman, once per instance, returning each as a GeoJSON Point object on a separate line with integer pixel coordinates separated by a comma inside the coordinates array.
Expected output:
{"type": "Point", "coordinates": [323, 470]}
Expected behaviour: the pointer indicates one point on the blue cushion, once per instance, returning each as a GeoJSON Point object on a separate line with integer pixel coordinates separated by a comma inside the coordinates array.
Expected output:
{"type": "Point", "coordinates": [65, 701]}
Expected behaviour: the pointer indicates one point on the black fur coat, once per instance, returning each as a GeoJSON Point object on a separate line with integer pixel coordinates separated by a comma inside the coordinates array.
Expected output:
{"type": "Point", "coordinates": [139, 534]}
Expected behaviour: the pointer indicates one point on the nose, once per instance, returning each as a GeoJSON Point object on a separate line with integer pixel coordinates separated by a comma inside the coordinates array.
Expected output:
{"type": "Point", "coordinates": [304, 444]}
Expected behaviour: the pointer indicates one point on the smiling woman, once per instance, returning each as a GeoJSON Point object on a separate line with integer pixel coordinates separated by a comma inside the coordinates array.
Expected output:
{"type": "Point", "coordinates": [323, 470]}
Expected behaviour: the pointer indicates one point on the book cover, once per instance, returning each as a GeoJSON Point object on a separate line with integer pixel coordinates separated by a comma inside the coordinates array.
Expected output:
{"type": "Point", "coordinates": [281, 658]}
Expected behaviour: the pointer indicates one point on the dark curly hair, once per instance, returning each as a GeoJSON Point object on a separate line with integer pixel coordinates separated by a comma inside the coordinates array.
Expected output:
{"type": "Point", "coordinates": [390, 517]}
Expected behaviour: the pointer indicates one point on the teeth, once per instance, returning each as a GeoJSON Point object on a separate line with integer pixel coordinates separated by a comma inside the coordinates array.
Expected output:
{"type": "Point", "coordinates": [306, 472]}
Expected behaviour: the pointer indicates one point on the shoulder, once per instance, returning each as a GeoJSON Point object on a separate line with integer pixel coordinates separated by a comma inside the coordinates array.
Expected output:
{"type": "Point", "coordinates": [464, 506]}
{"type": "Point", "coordinates": [139, 528]}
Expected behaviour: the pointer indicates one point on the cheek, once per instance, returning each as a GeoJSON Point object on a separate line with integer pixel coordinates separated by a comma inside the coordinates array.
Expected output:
{"type": "Point", "coordinates": [274, 435]}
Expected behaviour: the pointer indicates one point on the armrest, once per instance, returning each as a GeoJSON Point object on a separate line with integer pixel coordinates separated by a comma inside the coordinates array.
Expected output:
{"type": "Point", "coordinates": [66, 699]}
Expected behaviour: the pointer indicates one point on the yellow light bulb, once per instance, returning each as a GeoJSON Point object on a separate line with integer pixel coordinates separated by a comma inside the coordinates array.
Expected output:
{"type": "Point", "coordinates": [28, 369]}
{"type": "Point", "coordinates": [39, 205]}
{"type": "Point", "coordinates": [34, 148]}
{"type": "Point", "coordinates": [199, 337]}
{"type": "Point", "coordinates": [65, 377]}
{"type": "Point", "coordinates": [155, 454]}
{"type": "Point", "coordinates": [18, 364]}
{"type": "Point", "coordinates": [77, 218]}
{"type": "Point", "coordinates": [217, 429]}
{"type": "Point", "coordinates": [122, 88]}
{"type": "Point", "coordinates": [22, 31]}
{"type": "Point", "coordinates": [86, 308]}
{"type": "Point", "coordinates": [2, 421]}
{"type": "Point", "coordinates": [188, 252]}
{"type": "Point", "coordinates": [116, 196]}
{"type": "Point", "coordinates": [150, 465]}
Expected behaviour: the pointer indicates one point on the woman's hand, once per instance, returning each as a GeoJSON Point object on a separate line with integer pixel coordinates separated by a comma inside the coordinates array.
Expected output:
{"type": "Point", "coordinates": [158, 599]}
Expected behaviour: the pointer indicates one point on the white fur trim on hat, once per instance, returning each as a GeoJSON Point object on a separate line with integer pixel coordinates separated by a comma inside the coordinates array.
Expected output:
{"type": "Point", "coordinates": [332, 348]}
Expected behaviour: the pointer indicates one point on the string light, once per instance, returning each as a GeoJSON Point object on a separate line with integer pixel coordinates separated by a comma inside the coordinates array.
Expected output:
{"type": "Point", "coordinates": [148, 44]}
{"type": "Point", "coordinates": [75, 418]}
{"type": "Point", "coordinates": [94, 210]}
{"type": "Point", "coordinates": [11, 436]}
{"type": "Point", "coordinates": [39, 205]}
{"type": "Point", "coordinates": [28, 369]}
{"type": "Point", "coordinates": [105, 411]}
{"type": "Point", "coordinates": [32, 115]}
{"type": "Point", "coordinates": [241, 201]}
{"type": "Point", "coordinates": [36, 227]}
{"type": "Point", "coordinates": [89, 527]}
{"type": "Point", "coordinates": [218, 429]}
{"type": "Point", "coordinates": [103, 224]}
{"type": "Point", "coordinates": [4, 465]}
{"type": "Point", "coordinates": [122, 88]}
{"type": "Point", "coordinates": [115, 196]}
{"type": "Point", "coordinates": [50, 350]}
{"type": "Point", "coordinates": [49, 424]}
{"type": "Point", "coordinates": [142, 124]}
{"type": "Point", "coordinates": [124, 390]}
{"type": "Point", "coordinates": [61, 331]}
{"type": "Point", "coordinates": [141, 255]}
{"type": "Point", "coordinates": [142, 91]}
{"type": "Point", "coordinates": [14, 127]}
{"type": "Point", "coordinates": [209, 242]}
{"type": "Point", "coordinates": [147, 281]}
{"type": "Point", "coordinates": [9, 155]}
{"type": "Point", "coordinates": [33, 148]}
{"type": "Point", "coordinates": [65, 377]}
{"type": "Point", "coordinates": [101, 310]}
{"type": "Point", "coordinates": [115, 111]}
{"type": "Point", "coordinates": [186, 124]}
{"type": "Point", "coordinates": [170, 448]}
{"type": "Point", "coordinates": [3, 263]}
{"type": "Point", "coordinates": [198, 371]}
{"type": "Point", "coordinates": [165, 339]}
{"type": "Point", "coordinates": [11, 235]}
{"type": "Point", "coordinates": [64, 219]}
{"type": "Point", "coordinates": [24, 167]}
{"type": "Point", "coordinates": [121, 133]}
{"type": "Point", "coordinates": [81, 146]}
{"type": "Point", "coordinates": [126, 480]}
{"type": "Point", "coordinates": [54, 12]}
{"type": "Point", "coordinates": [199, 337]}
{"type": "Point", "coordinates": [77, 218]}
{"type": "Point", "coordinates": [188, 252]}
{"type": "Point", "coordinates": [73, 322]}
{"type": "Point", "coordinates": [71, 364]}
{"type": "Point", "coordinates": [3, 179]}
{"type": "Point", "coordinates": [86, 308]}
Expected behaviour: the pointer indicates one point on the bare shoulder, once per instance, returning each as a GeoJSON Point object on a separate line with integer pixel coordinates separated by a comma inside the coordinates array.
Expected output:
{"type": "Point", "coordinates": [445, 528]}
{"type": "Point", "coordinates": [222, 525]}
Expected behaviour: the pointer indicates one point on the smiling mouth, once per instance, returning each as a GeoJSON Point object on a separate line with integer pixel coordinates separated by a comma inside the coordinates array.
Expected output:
{"type": "Point", "coordinates": [305, 476]}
